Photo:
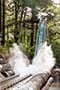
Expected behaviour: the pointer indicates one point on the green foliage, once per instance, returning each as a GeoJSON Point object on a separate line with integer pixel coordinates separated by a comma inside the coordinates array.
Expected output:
{"type": "Point", "coordinates": [56, 49]}
{"type": "Point", "coordinates": [45, 3]}
{"type": "Point", "coordinates": [3, 49]}
{"type": "Point", "coordinates": [54, 35]}
{"type": "Point", "coordinates": [25, 34]}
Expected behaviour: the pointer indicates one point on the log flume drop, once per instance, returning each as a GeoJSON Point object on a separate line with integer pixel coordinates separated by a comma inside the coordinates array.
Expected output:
{"type": "Point", "coordinates": [29, 76]}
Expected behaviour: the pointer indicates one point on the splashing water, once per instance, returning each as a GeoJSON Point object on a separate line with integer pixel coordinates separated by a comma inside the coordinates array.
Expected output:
{"type": "Point", "coordinates": [18, 59]}
{"type": "Point", "coordinates": [44, 60]}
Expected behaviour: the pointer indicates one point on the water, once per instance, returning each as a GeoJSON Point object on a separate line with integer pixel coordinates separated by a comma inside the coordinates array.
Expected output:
{"type": "Point", "coordinates": [17, 58]}
{"type": "Point", "coordinates": [44, 60]}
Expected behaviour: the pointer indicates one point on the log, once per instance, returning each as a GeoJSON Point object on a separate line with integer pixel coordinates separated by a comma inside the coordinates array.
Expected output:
{"type": "Point", "coordinates": [36, 82]}
{"type": "Point", "coordinates": [48, 84]}
{"type": "Point", "coordinates": [55, 73]}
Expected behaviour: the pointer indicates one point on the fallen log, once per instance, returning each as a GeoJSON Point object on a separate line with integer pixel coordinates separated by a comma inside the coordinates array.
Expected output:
{"type": "Point", "coordinates": [36, 82]}
{"type": "Point", "coordinates": [48, 84]}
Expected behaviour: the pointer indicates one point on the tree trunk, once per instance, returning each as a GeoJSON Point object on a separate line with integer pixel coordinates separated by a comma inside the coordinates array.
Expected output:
{"type": "Point", "coordinates": [2, 20]}
{"type": "Point", "coordinates": [16, 32]}
{"type": "Point", "coordinates": [0, 15]}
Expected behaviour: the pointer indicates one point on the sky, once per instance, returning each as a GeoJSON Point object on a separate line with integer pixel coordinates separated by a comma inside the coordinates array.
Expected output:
{"type": "Point", "coordinates": [56, 1]}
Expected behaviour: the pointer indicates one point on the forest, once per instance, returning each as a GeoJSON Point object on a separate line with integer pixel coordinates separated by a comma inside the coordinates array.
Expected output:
{"type": "Point", "coordinates": [19, 24]}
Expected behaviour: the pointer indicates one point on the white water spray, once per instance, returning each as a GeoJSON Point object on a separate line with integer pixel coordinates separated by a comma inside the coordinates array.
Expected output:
{"type": "Point", "coordinates": [42, 62]}
{"type": "Point", "coordinates": [18, 59]}
{"type": "Point", "coordinates": [44, 59]}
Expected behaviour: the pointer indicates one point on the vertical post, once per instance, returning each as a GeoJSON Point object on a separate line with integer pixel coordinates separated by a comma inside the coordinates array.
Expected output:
{"type": "Point", "coordinates": [2, 20]}
{"type": "Point", "coordinates": [16, 32]}
{"type": "Point", "coordinates": [32, 31]}
{"type": "Point", "coordinates": [0, 15]}
{"type": "Point", "coordinates": [32, 36]}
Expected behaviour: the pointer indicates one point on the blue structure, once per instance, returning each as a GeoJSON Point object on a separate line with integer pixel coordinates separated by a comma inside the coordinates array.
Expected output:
{"type": "Point", "coordinates": [41, 35]}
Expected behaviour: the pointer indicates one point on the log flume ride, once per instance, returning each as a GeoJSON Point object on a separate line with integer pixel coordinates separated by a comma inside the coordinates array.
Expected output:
{"type": "Point", "coordinates": [18, 74]}
{"type": "Point", "coordinates": [40, 81]}
{"type": "Point", "coordinates": [29, 82]}
{"type": "Point", "coordinates": [9, 80]}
